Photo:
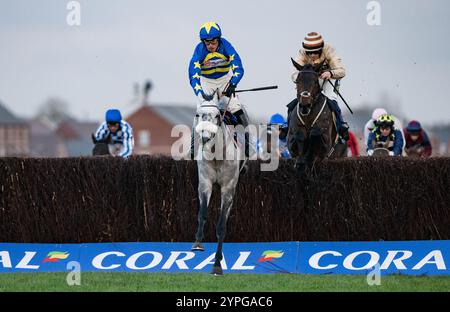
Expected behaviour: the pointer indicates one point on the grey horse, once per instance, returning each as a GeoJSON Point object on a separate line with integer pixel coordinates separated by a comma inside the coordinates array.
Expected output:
{"type": "Point", "coordinates": [218, 161]}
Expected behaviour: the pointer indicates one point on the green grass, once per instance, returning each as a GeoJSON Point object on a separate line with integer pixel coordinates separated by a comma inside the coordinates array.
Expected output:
{"type": "Point", "coordinates": [175, 282]}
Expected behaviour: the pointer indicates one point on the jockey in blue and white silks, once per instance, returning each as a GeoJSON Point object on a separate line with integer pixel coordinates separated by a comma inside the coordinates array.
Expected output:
{"type": "Point", "coordinates": [122, 141]}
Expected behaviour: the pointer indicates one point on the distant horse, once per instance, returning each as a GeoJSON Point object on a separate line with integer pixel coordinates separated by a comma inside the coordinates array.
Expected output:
{"type": "Point", "coordinates": [312, 132]}
{"type": "Point", "coordinates": [415, 151]}
{"type": "Point", "coordinates": [218, 161]}
{"type": "Point", "coordinates": [101, 146]}
{"type": "Point", "coordinates": [381, 149]}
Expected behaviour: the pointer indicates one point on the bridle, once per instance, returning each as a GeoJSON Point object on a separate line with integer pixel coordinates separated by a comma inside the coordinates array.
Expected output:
{"type": "Point", "coordinates": [306, 94]}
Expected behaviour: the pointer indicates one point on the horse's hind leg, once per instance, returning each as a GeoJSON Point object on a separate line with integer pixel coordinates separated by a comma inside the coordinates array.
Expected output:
{"type": "Point", "coordinates": [204, 195]}
{"type": "Point", "coordinates": [227, 194]}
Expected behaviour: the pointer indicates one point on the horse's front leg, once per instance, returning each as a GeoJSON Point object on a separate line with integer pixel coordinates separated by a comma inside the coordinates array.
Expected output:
{"type": "Point", "coordinates": [316, 147]}
{"type": "Point", "coordinates": [300, 146]}
{"type": "Point", "coordinates": [204, 195]}
{"type": "Point", "coordinates": [227, 194]}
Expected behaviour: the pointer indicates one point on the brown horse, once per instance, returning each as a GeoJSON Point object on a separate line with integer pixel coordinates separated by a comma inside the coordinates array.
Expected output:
{"type": "Point", "coordinates": [101, 146]}
{"type": "Point", "coordinates": [312, 134]}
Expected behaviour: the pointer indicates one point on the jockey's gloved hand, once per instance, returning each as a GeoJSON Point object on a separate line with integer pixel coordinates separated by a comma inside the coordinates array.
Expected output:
{"type": "Point", "coordinates": [230, 90]}
{"type": "Point", "coordinates": [370, 152]}
{"type": "Point", "coordinates": [391, 153]}
{"type": "Point", "coordinates": [207, 97]}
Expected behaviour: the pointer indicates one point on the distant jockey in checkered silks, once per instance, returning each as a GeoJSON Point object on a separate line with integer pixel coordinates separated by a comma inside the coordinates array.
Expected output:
{"type": "Point", "coordinates": [323, 56]}
{"type": "Point", "coordinates": [216, 65]}
{"type": "Point", "coordinates": [118, 132]}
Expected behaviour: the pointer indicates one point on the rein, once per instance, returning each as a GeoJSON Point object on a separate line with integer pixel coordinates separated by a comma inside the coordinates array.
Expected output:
{"type": "Point", "coordinates": [317, 116]}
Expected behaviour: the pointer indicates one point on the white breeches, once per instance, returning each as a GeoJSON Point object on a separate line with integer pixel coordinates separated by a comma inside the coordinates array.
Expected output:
{"type": "Point", "coordinates": [211, 85]}
{"type": "Point", "coordinates": [327, 89]}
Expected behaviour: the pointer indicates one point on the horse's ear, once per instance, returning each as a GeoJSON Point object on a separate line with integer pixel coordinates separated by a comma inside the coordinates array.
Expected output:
{"type": "Point", "coordinates": [297, 65]}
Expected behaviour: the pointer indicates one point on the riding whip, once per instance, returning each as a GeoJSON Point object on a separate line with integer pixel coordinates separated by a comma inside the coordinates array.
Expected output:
{"type": "Point", "coordinates": [337, 92]}
{"type": "Point", "coordinates": [257, 89]}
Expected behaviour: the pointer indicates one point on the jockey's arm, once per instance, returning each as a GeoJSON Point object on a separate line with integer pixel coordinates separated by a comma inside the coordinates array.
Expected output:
{"type": "Point", "coordinates": [398, 143]}
{"type": "Point", "coordinates": [128, 142]}
{"type": "Point", "coordinates": [335, 62]}
{"type": "Point", "coordinates": [235, 62]}
{"type": "Point", "coordinates": [426, 145]}
{"type": "Point", "coordinates": [102, 132]}
{"type": "Point", "coordinates": [371, 141]}
{"type": "Point", "coordinates": [195, 70]}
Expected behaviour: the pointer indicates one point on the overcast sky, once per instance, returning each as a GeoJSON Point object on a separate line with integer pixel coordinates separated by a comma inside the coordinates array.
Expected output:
{"type": "Point", "coordinates": [93, 66]}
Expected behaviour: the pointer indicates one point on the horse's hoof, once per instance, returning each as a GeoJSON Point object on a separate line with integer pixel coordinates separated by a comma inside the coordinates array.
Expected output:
{"type": "Point", "coordinates": [197, 247]}
{"type": "Point", "coordinates": [217, 271]}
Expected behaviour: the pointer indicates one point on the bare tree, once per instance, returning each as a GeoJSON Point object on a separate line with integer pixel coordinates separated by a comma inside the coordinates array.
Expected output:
{"type": "Point", "coordinates": [54, 110]}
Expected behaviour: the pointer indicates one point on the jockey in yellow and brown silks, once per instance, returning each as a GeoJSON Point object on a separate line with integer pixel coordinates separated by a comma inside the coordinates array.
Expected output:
{"type": "Point", "coordinates": [316, 52]}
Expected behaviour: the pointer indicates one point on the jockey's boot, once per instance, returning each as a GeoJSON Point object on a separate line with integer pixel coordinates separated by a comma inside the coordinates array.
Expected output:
{"type": "Point", "coordinates": [285, 127]}
{"type": "Point", "coordinates": [243, 121]}
{"type": "Point", "coordinates": [193, 138]}
{"type": "Point", "coordinates": [341, 125]}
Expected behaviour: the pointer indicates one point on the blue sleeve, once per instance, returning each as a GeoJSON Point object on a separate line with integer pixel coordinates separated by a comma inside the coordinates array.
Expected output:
{"type": "Point", "coordinates": [195, 69]}
{"type": "Point", "coordinates": [370, 140]}
{"type": "Point", "coordinates": [128, 143]}
{"type": "Point", "coordinates": [102, 132]}
{"type": "Point", "coordinates": [235, 62]}
{"type": "Point", "coordinates": [398, 143]}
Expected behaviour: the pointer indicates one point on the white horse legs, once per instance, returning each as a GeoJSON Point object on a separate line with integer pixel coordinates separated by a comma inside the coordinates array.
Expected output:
{"type": "Point", "coordinates": [204, 196]}
{"type": "Point", "coordinates": [227, 195]}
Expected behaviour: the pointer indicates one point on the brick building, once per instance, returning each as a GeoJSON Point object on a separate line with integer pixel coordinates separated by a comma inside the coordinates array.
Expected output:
{"type": "Point", "coordinates": [152, 127]}
{"type": "Point", "coordinates": [14, 134]}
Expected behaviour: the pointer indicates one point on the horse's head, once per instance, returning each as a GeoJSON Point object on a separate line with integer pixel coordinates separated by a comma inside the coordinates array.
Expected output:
{"type": "Point", "coordinates": [100, 146]}
{"type": "Point", "coordinates": [209, 121]}
{"type": "Point", "coordinates": [308, 88]}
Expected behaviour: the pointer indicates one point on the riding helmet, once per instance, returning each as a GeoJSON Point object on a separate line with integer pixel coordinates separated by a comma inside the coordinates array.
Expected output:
{"type": "Point", "coordinates": [414, 126]}
{"type": "Point", "coordinates": [377, 113]}
{"type": "Point", "coordinates": [210, 30]}
{"type": "Point", "coordinates": [113, 115]}
{"type": "Point", "coordinates": [313, 42]}
{"type": "Point", "coordinates": [385, 120]}
{"type": "Point", "coordinates": [277, 119]}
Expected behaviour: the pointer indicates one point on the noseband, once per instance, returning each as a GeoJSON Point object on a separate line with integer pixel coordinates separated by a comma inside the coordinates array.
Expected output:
{"type": "Point", "coordinates": [304, 95]}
